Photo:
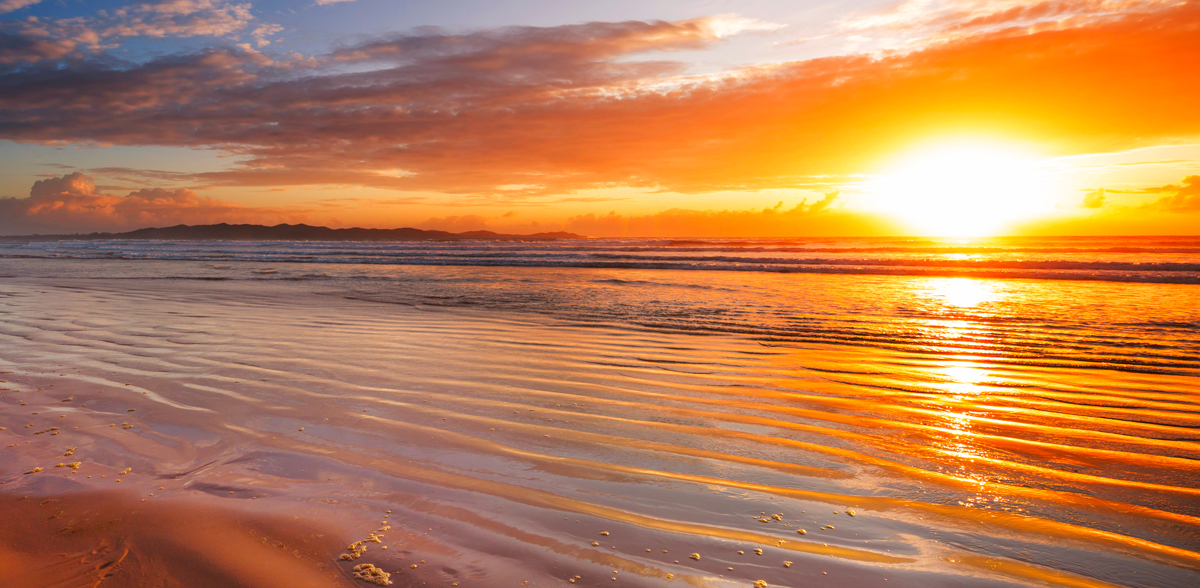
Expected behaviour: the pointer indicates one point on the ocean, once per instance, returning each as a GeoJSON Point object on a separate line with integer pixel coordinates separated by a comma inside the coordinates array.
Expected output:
{"type": "Point", "coordinates": [995, 412]}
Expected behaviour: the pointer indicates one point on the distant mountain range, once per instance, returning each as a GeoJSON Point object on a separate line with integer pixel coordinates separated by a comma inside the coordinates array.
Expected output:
{"type": "Point", "coordinates": [230, 232]}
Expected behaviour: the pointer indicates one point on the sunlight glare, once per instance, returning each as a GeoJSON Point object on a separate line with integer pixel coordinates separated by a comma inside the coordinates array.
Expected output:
{"type": "Point", "coordinates": [965, 189]}
{"type": "Point", "coordinates": [964, 292]}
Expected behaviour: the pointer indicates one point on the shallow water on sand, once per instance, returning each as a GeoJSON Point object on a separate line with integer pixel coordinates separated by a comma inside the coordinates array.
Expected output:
{"type": "Point", "coordinates": [974, 444]}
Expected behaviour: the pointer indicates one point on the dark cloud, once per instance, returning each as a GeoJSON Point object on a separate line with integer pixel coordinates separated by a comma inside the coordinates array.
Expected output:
{"type": "Point", "coordinates": [18, 48]}
{"type": "Point", "coordinates": [541, 49]}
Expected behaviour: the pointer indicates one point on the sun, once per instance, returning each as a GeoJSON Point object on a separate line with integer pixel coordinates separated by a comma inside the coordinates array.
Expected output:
{"type": "Point", "coordinates": [963, 189]}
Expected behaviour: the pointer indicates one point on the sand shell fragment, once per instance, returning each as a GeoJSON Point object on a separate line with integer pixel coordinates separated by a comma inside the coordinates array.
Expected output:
{"type": "Point", "coordinates": [850, 512]}
{"type": "Point", "coordinates": [372, 575]}
{"type": "Point", "coordinates": [33, 471]}
{"type": "Point", "coordinates": [787, 564]}
{"type": "Point", "coordinates": [604, 533]}
{"type": "Point", "coordinates": [801, 532]}
{"type": "Point", "coordinates": [757, 551]}
{"type": "Point", "coordinates": [760, 584]}
{"type": "Point", "coordinates": [695, 556]}
{"type": "Point", "coordinates": [354, 551]}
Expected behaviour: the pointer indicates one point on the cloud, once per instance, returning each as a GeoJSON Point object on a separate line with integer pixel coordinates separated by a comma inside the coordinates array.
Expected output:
{"type": "Point", "coordinates": [516, 49]}
{"type": "Point", "coordinates": [34, 40]}
{"type": "Point", "coordinates": [1093, 199]}
{"type": "Point", "coordinates": [23, 48]}
{"type": "Point", "coordinates": [1174, 211]}
{"type": "Point", "coordinates": [1181, 198]}
{"type": "Point", "coordinates": [11, 5]}
{"type": "Point", "coordinates": [177, 18]}
{"type": "Point", "coordinates": [816, 219]}
{"type": "Point", "coordinates": [571, 108]}
{"type": "Point", "coordinates": [939, 20]}
{"type": "Point", "coordinates": [71, 203]}
{"type": "Point", "coordinates": [457, 223]}
{"type": "Point", "coordinates": [1177, 198]}
{"type": "Point", "coordinates": [328, 2]}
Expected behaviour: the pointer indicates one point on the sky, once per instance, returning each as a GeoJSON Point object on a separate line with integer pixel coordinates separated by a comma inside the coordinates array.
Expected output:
{"type": "Point", "coordinates": [651, 118]}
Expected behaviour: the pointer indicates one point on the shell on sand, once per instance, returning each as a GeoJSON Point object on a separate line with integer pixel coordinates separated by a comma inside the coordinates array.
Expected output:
{"type": "Point", "coordinates": [371, 574]}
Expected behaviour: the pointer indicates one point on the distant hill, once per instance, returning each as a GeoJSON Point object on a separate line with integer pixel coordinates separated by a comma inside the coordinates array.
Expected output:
{"type": "Point", "coordinates": [230, 232]}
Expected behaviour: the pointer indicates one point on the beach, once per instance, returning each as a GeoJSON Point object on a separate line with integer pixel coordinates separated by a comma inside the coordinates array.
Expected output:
{"type": "Point", "coordinates": [461, 294]}
{"type": "Point", "coordinates": [167, 426]}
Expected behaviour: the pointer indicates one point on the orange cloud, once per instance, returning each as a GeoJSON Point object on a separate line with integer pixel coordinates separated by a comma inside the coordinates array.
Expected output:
{"type": "Point", "coordinates": [1181, 198]}
{"type": "Point", "coordinates": [1176, 211]}
{"type": "Point", "coordinates": [71, 203]}
{"type": "Point", "coordinates": [558, 110]}
{"type": "Point", "coordinates": [817, 219]}
{"type": "Point", "coordinates": [1093, 199]}
{"type": "Point", "coordinates": [563, 109]}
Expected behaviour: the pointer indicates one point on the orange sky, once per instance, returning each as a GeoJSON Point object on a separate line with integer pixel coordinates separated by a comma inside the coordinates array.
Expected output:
{"type": "Point", "coordinates": [616, 128]}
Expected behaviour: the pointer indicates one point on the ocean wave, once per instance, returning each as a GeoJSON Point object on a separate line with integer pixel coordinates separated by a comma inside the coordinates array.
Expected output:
{"type": "Point", "coordinates": [1167, 260]}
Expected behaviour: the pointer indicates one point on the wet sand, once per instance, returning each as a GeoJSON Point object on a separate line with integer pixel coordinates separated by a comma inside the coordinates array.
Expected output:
{"type": "Point", "coordinates": [55, 537]}
{"type": "Point", "coordinates": [246, 434]}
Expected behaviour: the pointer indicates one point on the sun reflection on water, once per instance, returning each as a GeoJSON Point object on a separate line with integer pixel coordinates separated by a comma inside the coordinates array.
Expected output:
{"type": "Point", "coordinates": [960, 378]}
{"type": "Point", "coordinates": [964, 292]}
{"type": "Point", "coordinates": [961, 382]}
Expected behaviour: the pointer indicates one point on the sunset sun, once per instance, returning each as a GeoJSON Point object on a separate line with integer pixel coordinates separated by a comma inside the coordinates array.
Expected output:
{"type": "Point", "coordinates": [963, 189]}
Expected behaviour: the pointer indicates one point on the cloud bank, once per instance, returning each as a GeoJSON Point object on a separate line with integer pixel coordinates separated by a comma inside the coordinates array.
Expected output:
{"type": "Point", "coordinates": [566, 108]}
{"type": "Point", "coordinates": [71, 203]}
{"type": "Point", "coordinates": [511, 114]}
{"type": "Point", "coordinates": [818, 219]}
